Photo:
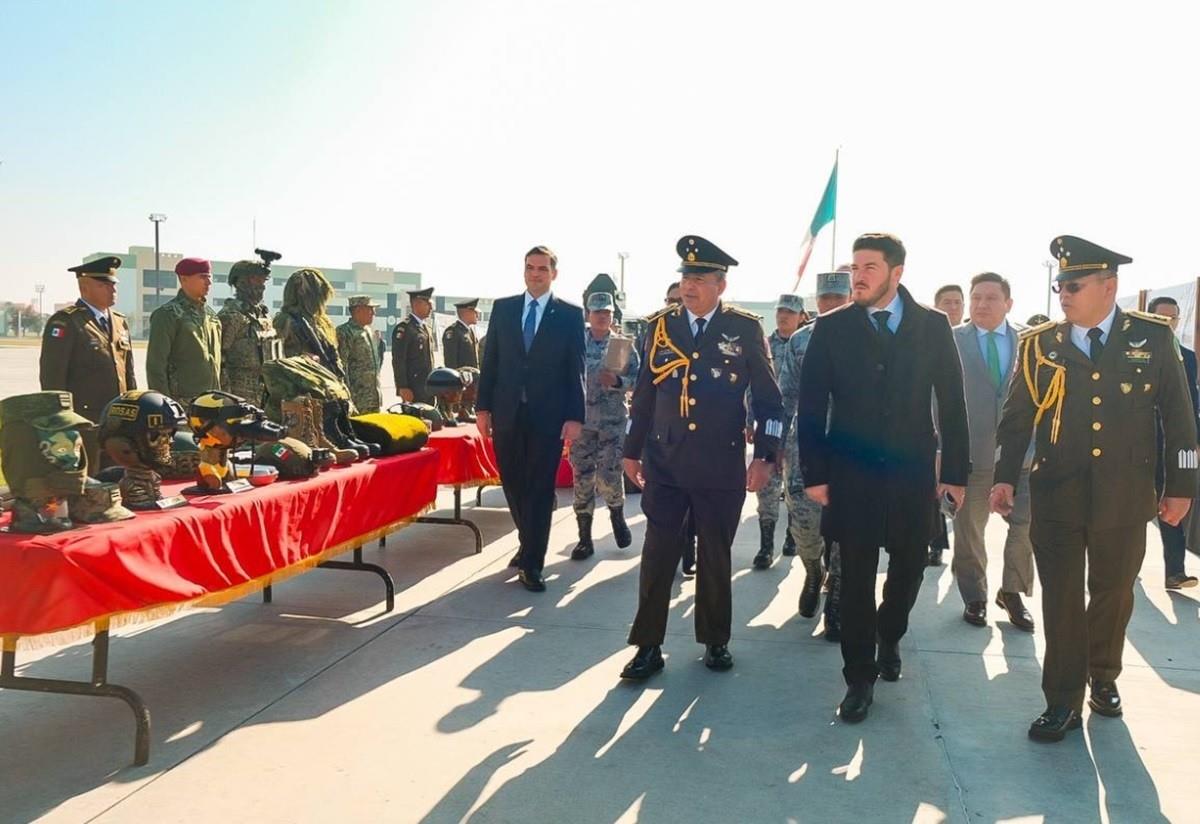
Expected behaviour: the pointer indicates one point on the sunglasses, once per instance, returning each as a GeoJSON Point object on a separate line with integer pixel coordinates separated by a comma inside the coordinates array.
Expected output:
{"type": "Point", "coordinates": [1073, 286]}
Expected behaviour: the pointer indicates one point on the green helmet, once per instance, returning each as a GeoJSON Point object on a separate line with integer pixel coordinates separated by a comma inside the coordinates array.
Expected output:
{"type": "Point", "coordinates": [245, 268]}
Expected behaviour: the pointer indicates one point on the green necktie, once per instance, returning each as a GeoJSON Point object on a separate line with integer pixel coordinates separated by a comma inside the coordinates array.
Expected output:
{"type": "Point", "coordinates": [993, 361]}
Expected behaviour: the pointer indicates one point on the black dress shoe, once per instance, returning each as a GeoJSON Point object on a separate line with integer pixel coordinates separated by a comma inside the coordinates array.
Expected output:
{"type": "Point", "coordinates": [717, 657]}
{"type": "Point", "coordinates": [935, 557]}
{"type": "Point", "coordinates": [689, 563]}
{"type": "Point", "coordinates": [532, 581]}
{"type": "Point", "coordinates": [856, 703]}
{"type": "Point", "coordinates": [975, 613]}
{"type": "Point", "coordinates": [888, 661]}
{"type": "Point", "coordinates": [1054, 723]}
{"type": "Point", "coordinates": [1011, 603]}
{"type": "Point", "coordinates": [1105, 699]}
{"type": "Point", "coordinates": [515, 560]}
{"type": "Point", "coordinates": [648, 661]}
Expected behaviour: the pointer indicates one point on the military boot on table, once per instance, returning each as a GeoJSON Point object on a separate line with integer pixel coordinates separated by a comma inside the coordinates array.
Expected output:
{"type": "Point", "coordinates": [766, 551]}
{"type": "Point", "coordinates": [298, 418]}
{"type": "Point", "coordinates": [329, 413]}
{"type": "Point", "coordinates": [584, 549]}
{"type": "Point", "coordinates": [621, 533]}
{"type": "Point", "coordinates": [810, 595]}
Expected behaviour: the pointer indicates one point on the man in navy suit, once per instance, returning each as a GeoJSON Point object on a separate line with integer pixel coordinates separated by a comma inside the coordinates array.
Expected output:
{"type": "Point", "coordinates": [531, 400]}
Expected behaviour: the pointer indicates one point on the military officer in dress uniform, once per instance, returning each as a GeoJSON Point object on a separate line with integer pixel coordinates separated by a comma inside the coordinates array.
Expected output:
{"type": "Point", "coordinates": [686, 448]}
{"type": "Point", "coordinates": [248, 338]}
{"type": "Point", "coordinates": [358, 347]}
{"type": "Point", "coordinates": [1087, 392]}
{"type": "Point", "coordinates": [86, 348]}
{"type": "Point", "coordinates": [412, 348]}
{"type": "Point", "coordinates": [459, 346]}
{"type": "Point", "coordinates": [183, 356]}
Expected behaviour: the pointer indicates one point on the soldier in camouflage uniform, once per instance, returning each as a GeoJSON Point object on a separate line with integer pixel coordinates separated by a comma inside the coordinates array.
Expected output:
{"type": "Point", "coordinates": [183, 356]}
{"type": "Point", "coordinates": [248, 339]}
{"type": "Point", "coordinates": [789, 314]}
{"type": "Point", "coordinates": [359, 349]}
{"type": "Point", "coordinates": [596, 455]}
{"type": "Point", "coordinates": [833, 290]}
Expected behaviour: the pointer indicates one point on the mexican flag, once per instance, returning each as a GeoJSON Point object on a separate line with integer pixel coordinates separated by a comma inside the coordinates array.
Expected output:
{"type": "Point", "coordinates": [826, 214]}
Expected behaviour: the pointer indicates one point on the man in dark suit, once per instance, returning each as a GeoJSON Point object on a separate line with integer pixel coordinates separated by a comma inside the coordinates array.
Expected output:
{"type": "Point", "coordinates": [686, 448]}
{"type": "Point", "coordinates": [531, 400]}
{"type": "Point", "coordinates": [1175, 538]}
{"type": "Point", "coordinates": [1091, 388]}
{"type": "Point", "coordinates": [877, 361]}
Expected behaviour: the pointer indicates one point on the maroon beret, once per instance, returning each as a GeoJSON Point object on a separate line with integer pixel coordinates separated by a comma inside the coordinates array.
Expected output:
{"type": "Point", "coordinates": [193, 266]}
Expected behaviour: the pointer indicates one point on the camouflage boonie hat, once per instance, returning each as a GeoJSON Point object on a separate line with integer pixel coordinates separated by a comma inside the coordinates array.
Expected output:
{"type": "Point", "coordinates": [361, 300]}
{"type": "Point", "coordinates": [246, 268]}
{"type": "Point", "coordinates": [600, 302]}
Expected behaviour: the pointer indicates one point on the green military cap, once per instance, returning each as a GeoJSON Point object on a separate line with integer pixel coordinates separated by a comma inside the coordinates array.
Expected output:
{"type": "Point", "coordinates": [791, 302]}
{"type": "Point", "coordinates": [1079, 258]}
{"type": "Point", "coordinates": [51, 410]}
{"type": "Point", "coordinates": [600, 302]}
{"type": "Point", "coordinates": [425, 293]}
{"type": "Point", "coordinates": [699, 256]}
{"type": "Point", "coordinates": [246, 268]}
{"type": "Point", "coordinates": [102, 268]}
{"type": "Point", "coordinates": [361, 300]}
{"type": "Point", "coordinates": [833, 283]}
{"type": "Point", "coordinates": [467, 304]}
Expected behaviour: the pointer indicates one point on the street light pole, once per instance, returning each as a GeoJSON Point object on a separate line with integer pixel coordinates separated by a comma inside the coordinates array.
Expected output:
{"type": "Point", "coordinates": [40, 288]}
{"type": "Point", "coordinates": [157, 218]}
{"type": "Point", "coordinates": [1049, 264]}
{"type": "Point", "coordinates": [622, 256]}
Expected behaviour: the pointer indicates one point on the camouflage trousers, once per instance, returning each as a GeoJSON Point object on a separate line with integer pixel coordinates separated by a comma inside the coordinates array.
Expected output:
{"type": "Point", "coordinates": [804, 515]}
{"type": "Point", "coordinates": [596, 462]}
{"type": "Point", "coordinates": [364, 391]}
{"type": "Point", "coordinates": [245, 382]}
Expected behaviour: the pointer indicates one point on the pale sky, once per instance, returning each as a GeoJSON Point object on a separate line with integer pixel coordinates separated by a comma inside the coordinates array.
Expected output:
{"type": "Point", "coordinates": [448, 137]}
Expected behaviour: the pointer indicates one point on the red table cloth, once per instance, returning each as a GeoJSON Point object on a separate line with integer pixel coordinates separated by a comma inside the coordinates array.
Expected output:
{"type": "Point", "coordinates": [217, 549]}
{"type": "Point", "coordinates": [469, 459]}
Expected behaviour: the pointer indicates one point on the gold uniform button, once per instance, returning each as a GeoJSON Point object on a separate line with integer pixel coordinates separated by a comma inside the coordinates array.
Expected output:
{"type": "Point", "coordinates": [1096, 452]}
{"type": "Point", "coordinates": [1095, 376]}
{"type": "Point", "coordinates": [692, 427]}
{"type": "Point", "coordinates": [695, 355]}
{"type": "Point", "coordinates": [691, 401]}
{"type": "Point", "coordinates": [1097, 426]}
{"type": "Point", "coordinates": [692, 377]}
{"type": "Point", "coordinates": [1095, 398]}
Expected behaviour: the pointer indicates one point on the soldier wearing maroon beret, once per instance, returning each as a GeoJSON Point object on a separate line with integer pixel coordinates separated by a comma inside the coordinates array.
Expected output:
{"type": "Point", "coordinates": [183, 358]}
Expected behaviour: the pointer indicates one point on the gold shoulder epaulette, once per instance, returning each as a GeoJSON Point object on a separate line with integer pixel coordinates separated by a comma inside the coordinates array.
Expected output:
{"type": "Point", "coordinates": [1029, 332]}
{"type": "Point", "coordinates": [70, 309]}
{"type": "Point", "coordinates": [116, 313]}
{"type": "Point", "coordinates": [737, 310]}
{"type": "Point", "coordinates": [660, 313]}
{"type": "Point", "coordinates": [1150, 316]}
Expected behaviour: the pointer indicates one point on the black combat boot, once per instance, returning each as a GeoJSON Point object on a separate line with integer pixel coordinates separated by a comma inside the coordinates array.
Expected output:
{"type": "Point", "coordinates": [584, 549]}
{"type": "Point", "coordinates": [810, 596]}
{"type": "Point", "coordinates": [789, 544]}
{"type": "Point", "coordinates": [330, 413]}
{"type": "Point", "coordinates": [833, 620]}
{"type": "Point", "coordinates": [621, 532]}
{"type": "Point", "coordinates": [343, 422]}
{"type": "Point", "coordinates": [766, 552]}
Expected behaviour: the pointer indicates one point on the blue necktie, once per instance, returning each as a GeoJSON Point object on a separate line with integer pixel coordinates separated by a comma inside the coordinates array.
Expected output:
{"type": "Point", "coordinates": [530, 327]}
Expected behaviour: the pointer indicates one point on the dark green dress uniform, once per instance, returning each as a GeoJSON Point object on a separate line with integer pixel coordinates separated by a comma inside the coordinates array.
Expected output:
{"type": "Point", "coordinates": [81, 356]}
{"type": "Point", "coordinates": [183, 356]}
{"type": "Point", "coordinates": [412, 357]}
{"type": "Point", "coordinates": [1092, 477]}
{"type": "Point", "coordinates": [687, 426]}
{"type": "Point", "coordinates": [459, 346]}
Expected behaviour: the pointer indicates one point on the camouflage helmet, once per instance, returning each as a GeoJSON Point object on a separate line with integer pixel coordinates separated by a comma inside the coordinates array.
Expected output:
{"type": "Point", "coordinates": [246, 268]}
{"type": "Point", "coordinates": [147, 420]}
{"type": "Point", "coordinates": [444, 381]}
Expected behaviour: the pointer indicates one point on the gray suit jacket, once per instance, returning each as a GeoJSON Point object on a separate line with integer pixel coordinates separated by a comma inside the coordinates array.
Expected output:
{"type": "Point", "coordinates": [984, 402]}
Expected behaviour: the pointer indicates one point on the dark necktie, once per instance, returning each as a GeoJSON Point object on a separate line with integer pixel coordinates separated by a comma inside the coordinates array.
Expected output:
{"type": "Point", "coordinates": [104, 325]}
{"type": "Point", "coordinates": [700, 324]}
{"type": "Point", "coordinates": [881, 319]}
{"type": "Point", "coordinates": [530, 328]}
{"type": "Point", "coordinates": [1095, 347]}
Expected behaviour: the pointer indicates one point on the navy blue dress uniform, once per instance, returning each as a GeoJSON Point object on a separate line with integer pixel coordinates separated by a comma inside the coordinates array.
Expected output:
{"type": "Point", "coordinates": [687, 426]}
{"type": "Point", "coordinates": [865, 429]}
{"type": "Point", "coordinates": [1092, 416]}
{"type": "Point", "coordinates": [90, 358]}
{"type": "Point", "coordinates": [412, 352]}
{"type": "Point", "coordinates": [459, 345]}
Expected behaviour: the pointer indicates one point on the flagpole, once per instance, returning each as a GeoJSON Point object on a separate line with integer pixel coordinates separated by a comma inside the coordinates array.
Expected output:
{"type": "Point", "coordinates": [833, 247]}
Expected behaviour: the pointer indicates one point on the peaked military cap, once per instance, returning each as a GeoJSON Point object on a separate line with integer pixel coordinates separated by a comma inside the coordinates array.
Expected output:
{"type": "Point", "coordinates": [791, 302]}
{"type": "Point", "coordinates": [1078, 258]}
{"type": "Point", "coordinates": [104, 268]}
{"type": "Point", "coordinates": [833, 283]}
{"type": "Point", "coordinates": [425, 293]}
{"type": "Point", "coordinates": [699, 256]}
{"type": "Point", "coordinates": [467, 304]}
{"type": "Point", "coordinates": [600, 302]}
{"type": "Point", "coordinates": [361, 300]}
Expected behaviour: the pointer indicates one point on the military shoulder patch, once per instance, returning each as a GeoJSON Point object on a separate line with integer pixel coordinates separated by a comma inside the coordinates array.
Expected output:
{"type": "Point", "coordinates": [737, 310]}
{"type": "Point", "coordinates": [1149, 316]}
{"type": "Point", "coordinates": [57, 329]}
{"type": "Point", "coordinates": [1030, 331]}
